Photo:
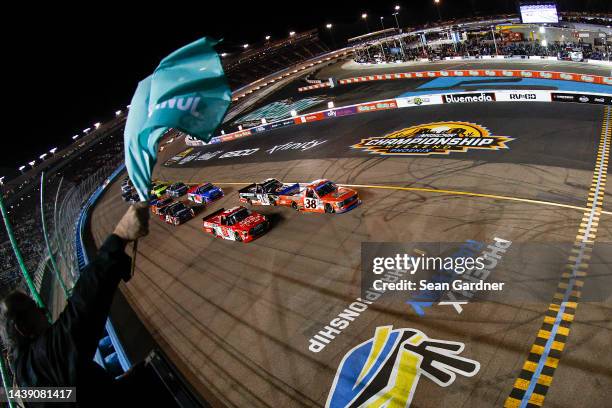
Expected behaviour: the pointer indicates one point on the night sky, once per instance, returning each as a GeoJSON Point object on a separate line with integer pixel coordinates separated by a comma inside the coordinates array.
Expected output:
{"type": "Point", "coordinates": [70, 66]}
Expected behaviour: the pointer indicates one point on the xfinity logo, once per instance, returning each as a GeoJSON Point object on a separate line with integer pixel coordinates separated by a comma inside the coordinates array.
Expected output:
{"type": "Point", "coordinates": [583, 99]}
{"type": "Point", "coordinates": [529, 96]}
{"type": "Point", "coordinates": [479, 97]}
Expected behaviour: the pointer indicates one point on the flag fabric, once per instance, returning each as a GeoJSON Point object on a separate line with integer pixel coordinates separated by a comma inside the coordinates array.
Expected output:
{"type": "Point", "coordinates": [188, 91]}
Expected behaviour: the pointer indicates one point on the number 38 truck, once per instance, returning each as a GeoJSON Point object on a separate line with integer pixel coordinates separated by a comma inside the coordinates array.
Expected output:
{"type": "Point", "coordinates": [317, 196]}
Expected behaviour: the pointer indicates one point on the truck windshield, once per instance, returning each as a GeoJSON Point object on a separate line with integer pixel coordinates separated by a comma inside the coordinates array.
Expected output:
{"type": "Point", "coordinates": [205, 188]}
{"type": "Point", "coordinates": [239, 215]}
{"type": "Point", "coordinates": [326, 188]}
{"type": "Point", "coordinates": [176, 208]}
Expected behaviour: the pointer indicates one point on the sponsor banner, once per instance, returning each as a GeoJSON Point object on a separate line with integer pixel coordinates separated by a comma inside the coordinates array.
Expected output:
{"type": "Point", "coordinates": [418, 100]}
{"type": "Point", "coordinates": [351, 110]}
{"type": "Point", "coordinates": [528, 96]}
{"type": "Point", "coordinates": [385, 370]}
{"type": "Point", "coordinates": [581, 98]}
{"type": "Point", "coordinates": [313, 117]}
{"type": "Point", "coordinates": [375, 106]}
{"type": "Point", "coordinates": [434, 138]}
{"type": "Point", "coordinates": [469, 97]}
{"type": "Point", "coordinates": [282, 123]}
{"type": "Point", "coordinates": [261, 128]}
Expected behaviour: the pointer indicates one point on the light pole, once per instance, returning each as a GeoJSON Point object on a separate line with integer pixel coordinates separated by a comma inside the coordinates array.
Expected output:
{"type": "Point", "coordinates": [397, 9]}
{"type": "Point", "coordinates": [437, 2]}
{"type": "Point", "coordinates": [494, 40]}
{"type": "Point", "coordinates": [329, 26]}
{"type": "Point", "coordinates": [382, 23]}
{"type": "Point", "coordinates": [396, 22]}
{"type": "Point", "coordinates": [365, 18]}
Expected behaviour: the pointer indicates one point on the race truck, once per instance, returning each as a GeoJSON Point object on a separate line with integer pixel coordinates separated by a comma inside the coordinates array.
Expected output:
{"type": "Point", "coordinates": [204, 193]}
{"type": "Point", "coordinates": [236, 224]}
{"type": "Point", "coordinates": [159, 190]}
{"type": "Point", "coordinates": [321, 196]}
{"type": "Point", "coordinates": [177, 189]}
{"type": "Point", "coordinates": [177, 214]}
{"type": "Point", "coordinates": [158, 205]}
{"type": "Point", "coordinates": [130, 196]}
{"type": "Point", "coordinates": [126, 185]}
{"type": "Point", "coordinates": [267, 192]}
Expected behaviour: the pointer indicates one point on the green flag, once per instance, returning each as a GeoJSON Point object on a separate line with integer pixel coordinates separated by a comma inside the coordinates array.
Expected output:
{"type": "Point", "coordinates": [187, 91]}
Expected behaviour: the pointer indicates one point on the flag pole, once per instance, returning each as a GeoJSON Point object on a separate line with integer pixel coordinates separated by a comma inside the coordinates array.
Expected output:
{"type": "Point", "coordinates": [22, 266]}
{"type": "Point", "coordinates": [5, 382]}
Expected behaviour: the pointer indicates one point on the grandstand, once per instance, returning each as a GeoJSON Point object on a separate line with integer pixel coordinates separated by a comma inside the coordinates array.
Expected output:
{"type": "Point", "coordinates": [264, 59]}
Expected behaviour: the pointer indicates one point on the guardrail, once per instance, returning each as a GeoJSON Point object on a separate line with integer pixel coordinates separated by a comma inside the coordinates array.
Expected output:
{"type": "Point", "coordinates": [110, 351]}
{"type": "Point", "coordinates": [516, 73]}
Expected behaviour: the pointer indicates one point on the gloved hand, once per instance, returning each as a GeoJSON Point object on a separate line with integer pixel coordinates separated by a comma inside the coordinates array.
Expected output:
{"type": "Point", "coordinates": [134, 223]}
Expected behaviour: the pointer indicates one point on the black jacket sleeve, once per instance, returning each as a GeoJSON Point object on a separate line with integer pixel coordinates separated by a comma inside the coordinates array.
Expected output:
{"type": "Point", "coordinates": [70, 343]}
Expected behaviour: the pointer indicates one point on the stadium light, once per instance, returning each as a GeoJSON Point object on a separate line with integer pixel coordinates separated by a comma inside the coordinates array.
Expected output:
{"type": "Point", "coordinates": [117, 113]}
{"type": "Point", "coordinates": [267, 37]}
{"type": "Point", "coordinates": [32, 163]}
{"type": "Point", "coordinates": [291, 33]}
{"type": "Point", "coordinates": [397, 7]}
{"type": "Point", "coordinates": [128, 106]}
{"type": "Point", "coordinates": [224, 54]}
{"type": "Point", "coordinates": [364, 16]}
{"type": "Point", "coordinates": [86, 130]}
{"type": "Point", "coordinates": [21, 168]}
{"type": "Point", "coordinates": [74, 137]}
{"type": "Point", "coordinates": [97, 125]}
{"type": "Point", "coordinates": [52, 151]}
{"type": "Point", "coordinates": [245, 46]}
{"type": "Point", "coordinates": [329, 26]}
{"type": "Point", "coordinates": [222, 131]}
{"type": "Point", "coordinates": [2, 181]}
{"type": "Point", "coordinates": [42, 156]}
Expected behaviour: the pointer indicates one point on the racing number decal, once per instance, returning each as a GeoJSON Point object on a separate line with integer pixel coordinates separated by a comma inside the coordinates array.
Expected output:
{"type": "Point", "coordinates": [310, 203]}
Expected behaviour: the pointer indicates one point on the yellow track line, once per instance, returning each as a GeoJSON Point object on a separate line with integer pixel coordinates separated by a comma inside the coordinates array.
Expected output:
{"type": "Point", "coordinates": [438, 191]}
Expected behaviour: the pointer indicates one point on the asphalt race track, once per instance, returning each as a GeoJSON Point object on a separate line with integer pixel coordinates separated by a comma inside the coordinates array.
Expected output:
{"type": "Point", "coordinates": [237, 319]}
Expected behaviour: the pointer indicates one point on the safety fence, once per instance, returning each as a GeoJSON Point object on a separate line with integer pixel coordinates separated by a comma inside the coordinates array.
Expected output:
{"type": "Point", "coordinates": [515, 73]}
{"type": "Point", "coordinates": [110, 353]}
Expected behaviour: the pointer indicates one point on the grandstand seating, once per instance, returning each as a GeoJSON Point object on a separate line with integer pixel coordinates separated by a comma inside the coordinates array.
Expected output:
{"type": "Point", "coordinates": [271, 56]}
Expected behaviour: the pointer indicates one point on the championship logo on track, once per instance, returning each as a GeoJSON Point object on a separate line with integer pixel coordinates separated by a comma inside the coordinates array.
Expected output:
{"type": "Point", "coordinates": [434, 138]}
{"type": "Point", "coordinates": [385, 370]}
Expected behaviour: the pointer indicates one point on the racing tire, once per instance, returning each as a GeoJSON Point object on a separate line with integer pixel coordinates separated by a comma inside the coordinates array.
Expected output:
{"type": "Point", "coordinates": [329, 209]}
{"type": "Point", "coordinates": [294, 206]}
{"type": "Point", "coordinates": [238, 237]}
